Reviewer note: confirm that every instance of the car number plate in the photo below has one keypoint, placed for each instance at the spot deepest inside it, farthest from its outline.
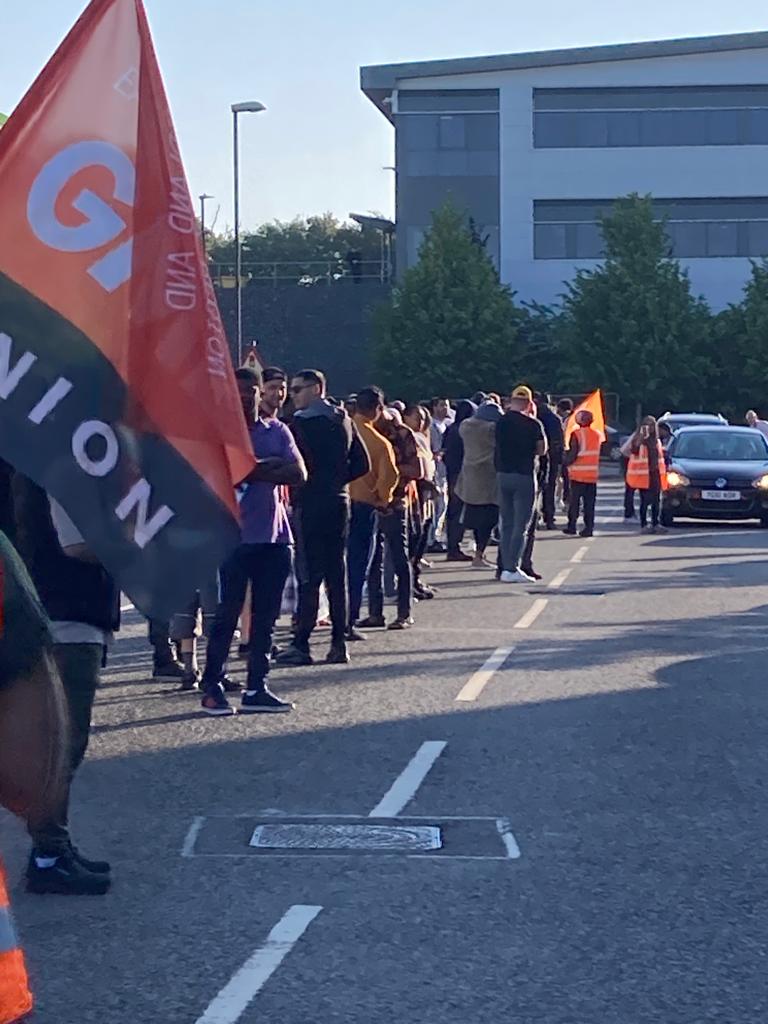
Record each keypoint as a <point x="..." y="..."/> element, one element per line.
<point x="721" y="495"/>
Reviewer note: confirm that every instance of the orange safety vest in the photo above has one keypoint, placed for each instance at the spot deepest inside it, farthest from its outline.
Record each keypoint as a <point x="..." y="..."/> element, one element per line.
<point x="586" y="468"/>
<point x="638" y="473"/>
<point x="15" y="997"/>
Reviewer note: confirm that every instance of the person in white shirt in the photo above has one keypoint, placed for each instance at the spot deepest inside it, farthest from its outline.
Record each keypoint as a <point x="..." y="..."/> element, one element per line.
<point x="753" y="420"/>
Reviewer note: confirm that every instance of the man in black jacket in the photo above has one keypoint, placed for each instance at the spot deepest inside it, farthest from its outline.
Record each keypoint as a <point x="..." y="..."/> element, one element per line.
<point x="551" y="464"/>
<point x="83" y="604"/>
<point x="334" y="456"/>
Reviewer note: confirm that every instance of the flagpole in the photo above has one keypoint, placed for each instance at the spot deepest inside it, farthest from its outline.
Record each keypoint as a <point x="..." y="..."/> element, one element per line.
<point x="238" y="253"/>
<point x="250" y="107"/>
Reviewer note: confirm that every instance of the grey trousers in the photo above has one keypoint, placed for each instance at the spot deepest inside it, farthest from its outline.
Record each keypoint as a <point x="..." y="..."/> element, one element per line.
<point x="517" y="497"/>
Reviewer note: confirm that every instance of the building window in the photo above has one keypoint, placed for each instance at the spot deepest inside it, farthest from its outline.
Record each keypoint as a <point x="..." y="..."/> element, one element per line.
<point x="448" y="145"/>
<point x="696" y="228"/>
<point x="419" y="101"/>
<point x="685" y="116"/>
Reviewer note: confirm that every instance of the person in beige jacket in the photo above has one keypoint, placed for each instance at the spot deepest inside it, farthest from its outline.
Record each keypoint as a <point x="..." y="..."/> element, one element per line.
<point x="476" y="485"/>
<point x="368" y="493"/>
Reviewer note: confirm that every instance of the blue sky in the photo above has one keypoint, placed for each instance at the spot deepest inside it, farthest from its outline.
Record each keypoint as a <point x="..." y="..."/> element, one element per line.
<point x="322" y="145"/>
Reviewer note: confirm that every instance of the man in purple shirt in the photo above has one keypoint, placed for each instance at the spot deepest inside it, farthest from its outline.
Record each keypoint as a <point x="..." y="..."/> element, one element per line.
<point x="264" y="556"/>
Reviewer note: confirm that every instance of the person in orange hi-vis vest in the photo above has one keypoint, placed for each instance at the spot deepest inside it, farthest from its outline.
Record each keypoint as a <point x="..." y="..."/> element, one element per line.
<point x="647" y="471"/>
<point x="32" y="731"/>
<point x="583" y="461"/>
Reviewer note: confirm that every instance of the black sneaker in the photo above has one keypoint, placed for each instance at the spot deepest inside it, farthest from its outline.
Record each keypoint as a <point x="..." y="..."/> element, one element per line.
<point x="372" y="622"/>
<point x="190" y="681"/>
<point x="65" y="878"/>
<point x="168" y="672"/>
<point x="355" y="634"/>
<point x="96" y="867"/>
<point x="264" y="703"/>
<point x="215" y="703"/>
<point x="231" y="685"/>
<point x="243" y="650"/>
<point x="569" y="531"/>
<point x="458" y="556"/>
<point x="586" y="533"/>
<point x="424" y="593"/>
<point x="436" y="548"/>
<point x="338" y="655"/>
<point x="530" y="571"/>
<point x="294" y="656"/>
<point x="401" y="624"/>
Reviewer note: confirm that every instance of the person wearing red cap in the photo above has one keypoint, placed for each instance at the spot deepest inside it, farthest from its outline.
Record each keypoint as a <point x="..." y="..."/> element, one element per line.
<point x="583" y="462"/>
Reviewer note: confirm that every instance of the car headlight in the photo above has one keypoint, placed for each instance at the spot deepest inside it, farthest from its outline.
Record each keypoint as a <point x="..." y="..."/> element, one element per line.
<point x="677" y="479"/>
<point x="761" y="483"/>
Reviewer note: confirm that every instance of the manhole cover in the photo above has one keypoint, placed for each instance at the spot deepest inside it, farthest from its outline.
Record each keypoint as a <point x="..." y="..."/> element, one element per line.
<point x="346" y="837"/>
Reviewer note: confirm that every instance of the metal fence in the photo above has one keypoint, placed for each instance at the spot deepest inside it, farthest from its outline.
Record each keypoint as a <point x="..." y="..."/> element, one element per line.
<point x="304" y="273"/>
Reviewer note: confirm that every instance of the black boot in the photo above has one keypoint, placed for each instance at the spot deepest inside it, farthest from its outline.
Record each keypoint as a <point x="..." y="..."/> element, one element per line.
<point x="96" y="867"/>
<point x="66" y="877"/>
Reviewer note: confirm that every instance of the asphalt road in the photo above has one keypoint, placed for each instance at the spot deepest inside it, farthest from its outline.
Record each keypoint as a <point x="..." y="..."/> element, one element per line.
<point x="622" y="741"/>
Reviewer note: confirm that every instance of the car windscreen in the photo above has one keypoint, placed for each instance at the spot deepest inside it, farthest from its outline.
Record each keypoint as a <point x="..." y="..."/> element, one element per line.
<point x="721" y="446"/>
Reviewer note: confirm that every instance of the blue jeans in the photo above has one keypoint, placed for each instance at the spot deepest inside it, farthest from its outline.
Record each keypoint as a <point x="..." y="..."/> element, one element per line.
<point x="517" y="496"/>
<point x="362" y="527"/>
<point x="266" y="567"/>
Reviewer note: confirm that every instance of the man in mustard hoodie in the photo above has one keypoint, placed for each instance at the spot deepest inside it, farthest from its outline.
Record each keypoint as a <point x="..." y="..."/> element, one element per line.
<point x="368" y="493"/>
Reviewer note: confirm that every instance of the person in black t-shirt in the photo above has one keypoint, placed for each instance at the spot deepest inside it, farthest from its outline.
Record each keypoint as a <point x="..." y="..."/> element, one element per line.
<point x="520" y="442"/>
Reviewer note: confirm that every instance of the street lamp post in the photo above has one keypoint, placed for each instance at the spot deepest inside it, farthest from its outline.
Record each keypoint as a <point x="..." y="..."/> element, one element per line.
<point x="250" y="107"/>
<point x="203" y="198"/>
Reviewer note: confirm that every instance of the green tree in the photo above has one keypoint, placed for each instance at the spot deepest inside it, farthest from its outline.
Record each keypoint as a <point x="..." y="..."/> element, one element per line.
<point x="312" y="243"/>
<point x="632" y="325"/>
<point x="451" y="326"/>
<point x="740" y="381"/>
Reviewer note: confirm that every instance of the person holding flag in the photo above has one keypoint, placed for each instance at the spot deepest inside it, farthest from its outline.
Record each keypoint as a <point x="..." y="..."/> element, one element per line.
<point x="118" y="395"/>
<point x="584" y="434"/>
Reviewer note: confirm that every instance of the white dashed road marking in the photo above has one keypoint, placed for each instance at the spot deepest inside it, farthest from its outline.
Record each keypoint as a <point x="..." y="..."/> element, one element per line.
<point x="233" y="1000"/>
<point x="580" y="554"/>
<point x="532" y="614"/>
<point x="188" y="847"/>
<point x="406" y="785"/>
<point x="477" y="682"/>
<point x="559" y="580"/>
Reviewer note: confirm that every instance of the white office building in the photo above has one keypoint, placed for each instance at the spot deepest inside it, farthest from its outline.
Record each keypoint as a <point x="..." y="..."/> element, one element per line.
<point x="534" y="145"/>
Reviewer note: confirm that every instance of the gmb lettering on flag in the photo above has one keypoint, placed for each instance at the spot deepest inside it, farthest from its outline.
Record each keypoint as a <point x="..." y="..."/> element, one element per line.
<point x="117" y="392"/>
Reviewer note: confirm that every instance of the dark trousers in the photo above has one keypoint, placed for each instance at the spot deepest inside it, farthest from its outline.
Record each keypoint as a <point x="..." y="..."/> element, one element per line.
<point x="650" y="500"/>
<point x="417" y="548"/>
<point x="454" y="529"/>
<point x="78" y="666"/>
<point x="362" y="528"/>
<point x="549" y="476"/>
<point x="321" y="557"/>
<point x="566" y="478"/>
<point x="159" y="638"/>
<point x="629" y="492"/>
<point x="266" y="568"/>
<point x="526" y="562"/>
<point x="392" y="530"/>
<point x="586" y="495"/>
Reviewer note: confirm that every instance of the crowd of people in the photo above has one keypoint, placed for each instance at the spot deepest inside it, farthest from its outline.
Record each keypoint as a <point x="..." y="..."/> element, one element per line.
<point x="347" y="502"/>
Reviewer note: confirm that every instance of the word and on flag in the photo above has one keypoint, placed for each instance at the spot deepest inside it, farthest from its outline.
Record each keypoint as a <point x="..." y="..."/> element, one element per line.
<point x="117" y="393"/>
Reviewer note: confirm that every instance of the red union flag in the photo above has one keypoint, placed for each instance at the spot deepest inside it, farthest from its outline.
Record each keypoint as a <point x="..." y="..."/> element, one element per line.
<point x="117" y="393"/>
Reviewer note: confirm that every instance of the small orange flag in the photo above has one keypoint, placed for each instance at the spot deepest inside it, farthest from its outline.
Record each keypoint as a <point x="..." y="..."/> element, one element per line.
<point x="592" y="403"/>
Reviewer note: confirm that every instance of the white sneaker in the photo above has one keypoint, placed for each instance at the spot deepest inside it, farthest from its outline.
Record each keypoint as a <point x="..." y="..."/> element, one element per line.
<point x="518" y="576"/>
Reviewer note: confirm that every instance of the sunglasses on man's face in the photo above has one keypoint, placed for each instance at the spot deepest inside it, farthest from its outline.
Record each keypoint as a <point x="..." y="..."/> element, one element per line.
<point x="298" y="388"/>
